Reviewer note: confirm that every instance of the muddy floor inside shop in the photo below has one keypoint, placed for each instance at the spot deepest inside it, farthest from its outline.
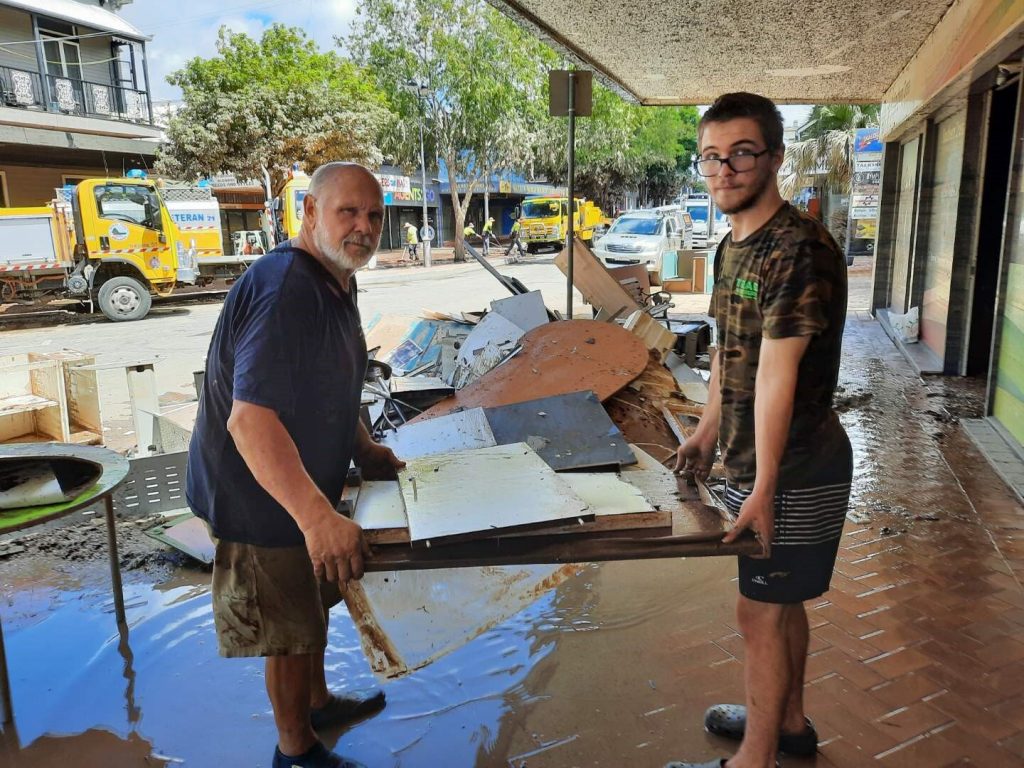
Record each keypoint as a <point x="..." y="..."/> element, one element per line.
<point x="917" y="652"/>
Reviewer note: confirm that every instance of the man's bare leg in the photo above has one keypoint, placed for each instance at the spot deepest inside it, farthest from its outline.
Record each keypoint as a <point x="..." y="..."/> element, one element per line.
<point x="768" y="680"/>
<point x="288" y="685"/>
<point x="318" y="691"/>
<point x="797" y="637"/>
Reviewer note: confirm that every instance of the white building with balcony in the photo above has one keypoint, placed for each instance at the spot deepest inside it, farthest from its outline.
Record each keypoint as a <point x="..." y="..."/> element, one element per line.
<point x="74" y="96"/>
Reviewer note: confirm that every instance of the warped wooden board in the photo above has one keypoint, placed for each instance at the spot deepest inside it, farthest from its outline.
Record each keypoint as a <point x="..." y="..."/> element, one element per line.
<point x="600" y="288"/>
<point x="571" y="431"/>
<point x="606" y="494"/>
<point x="454" y="432"/>
<point x="380" y="511"/>
<point x="557" y="358"/>
<point x="483" y="491"/>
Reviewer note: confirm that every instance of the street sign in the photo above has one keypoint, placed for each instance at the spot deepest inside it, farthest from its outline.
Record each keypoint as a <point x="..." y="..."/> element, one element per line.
<point x="558" y="86"/>
<point x="426" y="232"/>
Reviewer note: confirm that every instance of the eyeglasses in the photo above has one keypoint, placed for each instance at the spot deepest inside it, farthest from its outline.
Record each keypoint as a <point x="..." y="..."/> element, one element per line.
<point x="740" y="162"/>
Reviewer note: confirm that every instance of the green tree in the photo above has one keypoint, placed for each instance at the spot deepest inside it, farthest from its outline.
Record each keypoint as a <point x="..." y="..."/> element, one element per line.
<point x="822" y="154"/>
<point x="623" y="148"/>
<point x="266" y="104"/>
<point x="483" y="78"/>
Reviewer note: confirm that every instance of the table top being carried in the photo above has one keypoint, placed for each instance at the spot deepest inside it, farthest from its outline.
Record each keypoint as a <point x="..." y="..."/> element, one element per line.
<point x="110" y="471"/>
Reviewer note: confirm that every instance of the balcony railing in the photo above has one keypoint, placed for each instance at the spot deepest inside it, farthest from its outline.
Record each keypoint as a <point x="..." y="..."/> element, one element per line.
<point x="71" y="96"/>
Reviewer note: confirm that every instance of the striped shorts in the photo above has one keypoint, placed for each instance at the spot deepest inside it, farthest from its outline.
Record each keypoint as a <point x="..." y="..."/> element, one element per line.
<point x="808" y="525"/>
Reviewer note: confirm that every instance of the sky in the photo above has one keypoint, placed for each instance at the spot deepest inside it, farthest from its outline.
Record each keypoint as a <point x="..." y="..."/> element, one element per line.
<point x="185" y="28"/>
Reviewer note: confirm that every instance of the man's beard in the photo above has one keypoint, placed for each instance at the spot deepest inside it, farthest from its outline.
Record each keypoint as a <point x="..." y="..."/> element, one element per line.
<point x="336" y="253"/>
<point x="750" y="200"/>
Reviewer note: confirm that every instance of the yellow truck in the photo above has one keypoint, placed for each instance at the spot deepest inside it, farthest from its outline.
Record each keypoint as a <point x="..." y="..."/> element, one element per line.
<point x="544" y="221"/>
<point x="111" y="242"/>
<point x="288" y="205"/>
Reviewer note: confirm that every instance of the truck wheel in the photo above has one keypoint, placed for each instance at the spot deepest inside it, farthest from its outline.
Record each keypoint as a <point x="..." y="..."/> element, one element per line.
<point x="124" y="298"/>
<point x="530" y="248"/>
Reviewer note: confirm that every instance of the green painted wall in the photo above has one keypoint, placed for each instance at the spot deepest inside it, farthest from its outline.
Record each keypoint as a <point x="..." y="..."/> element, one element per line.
<point x="1008" y="403"/>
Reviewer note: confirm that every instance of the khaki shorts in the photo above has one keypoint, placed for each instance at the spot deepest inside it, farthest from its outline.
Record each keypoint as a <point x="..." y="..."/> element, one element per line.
<point x="268" y="602"/>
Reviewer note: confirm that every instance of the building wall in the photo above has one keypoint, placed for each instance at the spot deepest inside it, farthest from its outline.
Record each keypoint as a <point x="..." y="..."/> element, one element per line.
<point x="944" y="197"/>
<point x="27" y="186"/>
<point x="1008" y="380"/>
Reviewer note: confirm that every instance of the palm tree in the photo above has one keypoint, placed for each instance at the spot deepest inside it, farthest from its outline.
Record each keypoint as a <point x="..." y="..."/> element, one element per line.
<point x="823" y="154"/>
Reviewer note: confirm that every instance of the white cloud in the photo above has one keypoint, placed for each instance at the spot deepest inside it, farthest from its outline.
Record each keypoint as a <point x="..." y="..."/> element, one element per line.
<point x="188" y="28"/>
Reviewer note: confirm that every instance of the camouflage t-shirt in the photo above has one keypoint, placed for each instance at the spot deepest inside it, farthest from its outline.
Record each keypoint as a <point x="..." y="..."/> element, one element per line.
<point x="787" y="279"/>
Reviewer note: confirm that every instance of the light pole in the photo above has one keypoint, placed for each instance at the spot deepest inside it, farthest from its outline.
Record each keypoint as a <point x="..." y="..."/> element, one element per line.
<point x="426" y="231"/>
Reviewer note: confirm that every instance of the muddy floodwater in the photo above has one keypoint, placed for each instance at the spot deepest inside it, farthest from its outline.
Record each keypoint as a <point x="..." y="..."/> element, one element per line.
<point x="613" y="667"/>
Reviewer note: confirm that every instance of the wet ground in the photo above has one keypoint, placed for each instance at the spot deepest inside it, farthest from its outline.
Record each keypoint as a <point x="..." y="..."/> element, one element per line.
<point x="917" y="653"/>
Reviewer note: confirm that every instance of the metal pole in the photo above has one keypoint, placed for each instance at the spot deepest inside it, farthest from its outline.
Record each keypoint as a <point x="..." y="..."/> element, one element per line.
<point x="572" y="192"/>
<point x="423" y="176"/>
<point x="5" y="686"/>
<point x="115" y="564"/>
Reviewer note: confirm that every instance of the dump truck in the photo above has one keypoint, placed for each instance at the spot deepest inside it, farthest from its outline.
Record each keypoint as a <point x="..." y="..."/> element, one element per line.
<point x="111" y="242"/>
<point x="545" y="220"/>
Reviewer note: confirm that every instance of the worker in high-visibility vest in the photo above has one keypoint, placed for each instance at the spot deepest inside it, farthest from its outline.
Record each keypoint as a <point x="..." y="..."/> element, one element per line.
<point x="516" y="242"/>
<point x="411" y="240"/>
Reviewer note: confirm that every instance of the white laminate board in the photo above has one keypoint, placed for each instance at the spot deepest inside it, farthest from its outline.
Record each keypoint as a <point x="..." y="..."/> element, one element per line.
<point x="460" y="431"/>
<point x="606" y="494"/>
<point x="525" y="310"/>
<point x="495" y="330"/>
<point x="484" y="490"/>
<point x="380" y="505"/>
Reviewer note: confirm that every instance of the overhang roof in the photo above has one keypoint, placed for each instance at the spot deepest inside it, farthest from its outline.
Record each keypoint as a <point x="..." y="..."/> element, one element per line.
<point x="690" y="51"/>
<point x="91" y="16"/>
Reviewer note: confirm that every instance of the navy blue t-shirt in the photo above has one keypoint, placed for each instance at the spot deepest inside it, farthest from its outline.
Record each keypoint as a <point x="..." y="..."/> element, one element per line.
<point x="289" y="339"/>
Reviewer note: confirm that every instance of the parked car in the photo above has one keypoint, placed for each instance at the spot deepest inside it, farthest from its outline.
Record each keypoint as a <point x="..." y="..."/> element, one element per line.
<point x="643" y="237"/>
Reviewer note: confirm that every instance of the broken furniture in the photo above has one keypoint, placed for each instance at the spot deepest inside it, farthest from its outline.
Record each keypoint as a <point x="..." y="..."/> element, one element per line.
<point x="556" y="358"/>
<point x="692" y="274"/>
<point x="49" y="397"/>
<point x="104" y="471"/>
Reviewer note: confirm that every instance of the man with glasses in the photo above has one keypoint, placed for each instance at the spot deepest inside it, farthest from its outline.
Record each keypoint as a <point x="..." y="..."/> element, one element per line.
<point x="779" y="304"/>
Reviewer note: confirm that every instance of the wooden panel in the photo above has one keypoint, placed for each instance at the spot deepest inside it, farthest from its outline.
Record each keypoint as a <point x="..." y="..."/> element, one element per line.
<point x="570" y="431"/>
<point x="593" y="279"/>
<point x="700" y="267"/>
<point x="557" y="358"/>
<point x="460" y="431"/>
<point x="656" y="337"/>
<point x="476" y="492"/>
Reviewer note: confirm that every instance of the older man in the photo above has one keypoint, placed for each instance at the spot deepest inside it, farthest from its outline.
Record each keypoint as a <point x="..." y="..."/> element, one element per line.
<point x="278" y="425"/>
<point x="779" y="303"/>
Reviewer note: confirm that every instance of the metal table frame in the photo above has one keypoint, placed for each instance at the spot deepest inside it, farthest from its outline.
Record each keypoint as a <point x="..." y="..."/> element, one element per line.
<point x="113" y="470"/>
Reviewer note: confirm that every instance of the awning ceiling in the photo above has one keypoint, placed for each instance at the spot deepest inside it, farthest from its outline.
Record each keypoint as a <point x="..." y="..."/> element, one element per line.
<point x="690" y="51"/>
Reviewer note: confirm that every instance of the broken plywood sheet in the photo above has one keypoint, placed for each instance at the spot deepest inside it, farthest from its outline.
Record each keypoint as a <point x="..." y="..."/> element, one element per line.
<point x="461" y="431"/>
<point x="483" y="491"/>
<point x="494" y="330"/>
<point x="556" y="358"/>
<point x="606" y="494"/>
<point x="380" y="512"/>
<point x="525" y="310"/>
<point x="428" y="614"/>
<point x="570" y="431"/>
<point x="592" y="278"/>
<point x="655" y="336"/>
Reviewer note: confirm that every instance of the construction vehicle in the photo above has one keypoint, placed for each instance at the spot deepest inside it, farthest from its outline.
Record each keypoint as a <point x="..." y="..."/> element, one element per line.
<point x="110" y="242"/>
<point x="544" y="221"/>
<point x="288" y="205"/>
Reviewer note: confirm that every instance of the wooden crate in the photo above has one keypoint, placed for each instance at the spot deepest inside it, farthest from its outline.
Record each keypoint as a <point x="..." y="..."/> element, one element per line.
<point x="33" y="401"/>
<point x="85" y="423"/>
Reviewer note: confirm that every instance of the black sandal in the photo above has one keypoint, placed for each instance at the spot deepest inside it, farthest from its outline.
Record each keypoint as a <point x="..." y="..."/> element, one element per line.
<point x="730" y="721"/>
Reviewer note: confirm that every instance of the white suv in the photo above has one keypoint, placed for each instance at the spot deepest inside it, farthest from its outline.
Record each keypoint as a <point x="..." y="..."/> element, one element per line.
<point x="641" y="237"/>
